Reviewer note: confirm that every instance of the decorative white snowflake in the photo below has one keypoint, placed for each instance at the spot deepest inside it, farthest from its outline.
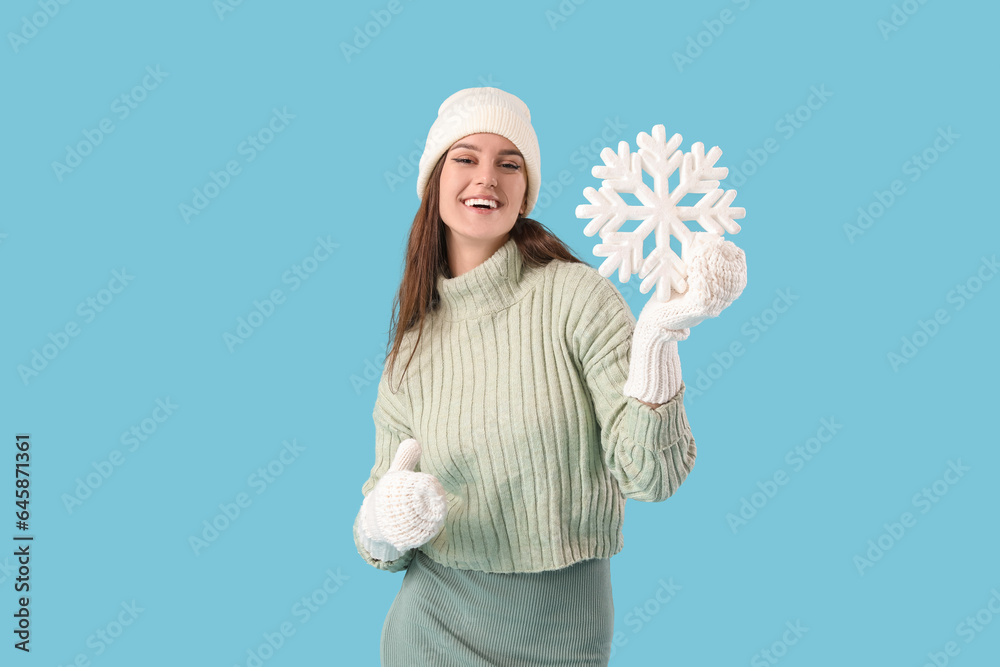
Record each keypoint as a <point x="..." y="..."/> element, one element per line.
<point x="659" y="212"/>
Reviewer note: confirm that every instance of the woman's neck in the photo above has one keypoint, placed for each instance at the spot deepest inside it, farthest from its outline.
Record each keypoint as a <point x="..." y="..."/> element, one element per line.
<point x="466" y="254"/>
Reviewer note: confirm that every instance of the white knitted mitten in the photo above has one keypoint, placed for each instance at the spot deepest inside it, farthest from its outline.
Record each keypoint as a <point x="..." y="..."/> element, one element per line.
<point x="405" y="509"/>
<point x="716" y="276"/>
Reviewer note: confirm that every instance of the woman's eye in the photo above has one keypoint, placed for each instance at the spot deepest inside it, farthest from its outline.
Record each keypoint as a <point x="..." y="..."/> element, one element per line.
<point x="508" y="165"/>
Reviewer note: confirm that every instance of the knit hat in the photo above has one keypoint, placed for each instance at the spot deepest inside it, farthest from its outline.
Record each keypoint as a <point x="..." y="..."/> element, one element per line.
<point x="485" y="109"/>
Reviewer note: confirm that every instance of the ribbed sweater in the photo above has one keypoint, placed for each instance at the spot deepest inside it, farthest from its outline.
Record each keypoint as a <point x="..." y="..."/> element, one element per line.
<point x="515" y="395"/>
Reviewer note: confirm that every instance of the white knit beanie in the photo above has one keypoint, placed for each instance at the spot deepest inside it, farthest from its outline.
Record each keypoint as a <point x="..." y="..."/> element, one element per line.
<point x="485" y="109"/>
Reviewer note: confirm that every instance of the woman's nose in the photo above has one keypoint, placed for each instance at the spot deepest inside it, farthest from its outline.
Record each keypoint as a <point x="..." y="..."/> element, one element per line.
<point x="487" y="175"/>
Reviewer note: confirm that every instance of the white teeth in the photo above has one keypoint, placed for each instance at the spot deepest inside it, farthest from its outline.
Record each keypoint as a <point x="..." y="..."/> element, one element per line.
<point x="487" y="202"/>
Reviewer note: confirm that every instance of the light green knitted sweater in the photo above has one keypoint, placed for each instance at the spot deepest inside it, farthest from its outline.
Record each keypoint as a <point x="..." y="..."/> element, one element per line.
<point x="515" y="395"/>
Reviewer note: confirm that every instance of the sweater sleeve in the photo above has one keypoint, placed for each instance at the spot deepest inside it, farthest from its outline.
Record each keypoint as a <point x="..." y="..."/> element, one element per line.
<point x="390" y="430"/>
<point x="650" y="451"/>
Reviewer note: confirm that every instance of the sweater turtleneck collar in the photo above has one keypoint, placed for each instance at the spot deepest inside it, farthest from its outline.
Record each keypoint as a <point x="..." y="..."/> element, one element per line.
<point x="492" y="286"/>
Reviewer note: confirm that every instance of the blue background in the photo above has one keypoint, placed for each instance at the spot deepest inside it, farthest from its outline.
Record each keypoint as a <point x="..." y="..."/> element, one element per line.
<point x="343" y="170"/>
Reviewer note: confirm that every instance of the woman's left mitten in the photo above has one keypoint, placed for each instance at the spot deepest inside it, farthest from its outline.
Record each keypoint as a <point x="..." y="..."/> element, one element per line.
<point x="716" y="276"/>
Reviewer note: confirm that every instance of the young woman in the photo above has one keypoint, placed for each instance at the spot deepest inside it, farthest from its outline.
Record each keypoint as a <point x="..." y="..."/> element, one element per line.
<point x="533" y="403"/>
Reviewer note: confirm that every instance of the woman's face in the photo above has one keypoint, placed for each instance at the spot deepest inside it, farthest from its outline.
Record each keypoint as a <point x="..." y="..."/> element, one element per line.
<point x="477" y="167"/>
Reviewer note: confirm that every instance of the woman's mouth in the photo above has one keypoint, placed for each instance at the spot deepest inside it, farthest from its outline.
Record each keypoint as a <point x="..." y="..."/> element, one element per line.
<point x="481" y="206"/>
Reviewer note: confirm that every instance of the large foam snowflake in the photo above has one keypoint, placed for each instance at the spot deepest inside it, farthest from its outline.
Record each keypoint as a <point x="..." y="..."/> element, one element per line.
<point x="660" y="211"/>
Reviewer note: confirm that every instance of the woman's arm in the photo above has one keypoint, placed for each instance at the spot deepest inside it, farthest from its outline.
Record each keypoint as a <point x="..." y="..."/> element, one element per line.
<point x="648" y="447"/>
<point x="390" y="431"/>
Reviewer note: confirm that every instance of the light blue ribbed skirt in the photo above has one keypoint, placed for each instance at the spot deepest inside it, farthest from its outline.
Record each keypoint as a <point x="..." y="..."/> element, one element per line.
<point x="447" y="617"/>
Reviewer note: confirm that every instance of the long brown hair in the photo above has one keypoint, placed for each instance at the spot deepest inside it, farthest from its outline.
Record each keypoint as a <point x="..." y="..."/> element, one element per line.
<point x="427" y="258"/>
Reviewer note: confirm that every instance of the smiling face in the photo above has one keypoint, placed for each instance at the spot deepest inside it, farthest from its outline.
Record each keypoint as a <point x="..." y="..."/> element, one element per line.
<point x="483" y="186"/>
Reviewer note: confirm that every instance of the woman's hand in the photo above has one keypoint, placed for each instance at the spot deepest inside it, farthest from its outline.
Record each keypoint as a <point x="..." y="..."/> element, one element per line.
<point x="716" y="276"/>
<point x="405" y="509"/>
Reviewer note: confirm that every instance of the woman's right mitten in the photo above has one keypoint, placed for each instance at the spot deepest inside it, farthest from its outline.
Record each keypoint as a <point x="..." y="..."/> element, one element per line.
<point x="405" y="509"/>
